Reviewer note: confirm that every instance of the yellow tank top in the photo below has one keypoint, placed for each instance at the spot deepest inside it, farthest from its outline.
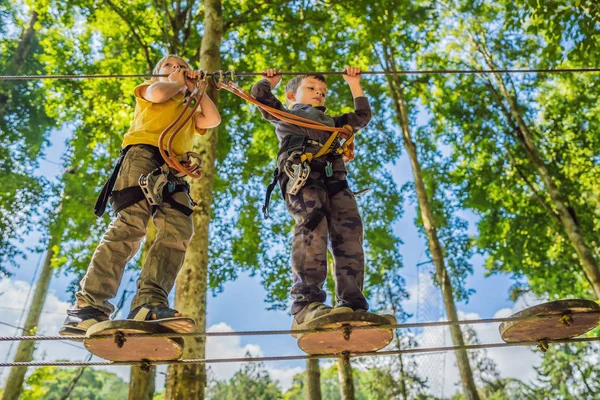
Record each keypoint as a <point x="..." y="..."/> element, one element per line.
<point x="151" y="119"/>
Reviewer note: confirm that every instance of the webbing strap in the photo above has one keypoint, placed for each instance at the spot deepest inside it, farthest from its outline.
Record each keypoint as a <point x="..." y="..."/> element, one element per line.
<point x="265" y="207"/>
<point x="328" y="146"/>
<point x="121" y="199"/>
<point x="104" y="196"/>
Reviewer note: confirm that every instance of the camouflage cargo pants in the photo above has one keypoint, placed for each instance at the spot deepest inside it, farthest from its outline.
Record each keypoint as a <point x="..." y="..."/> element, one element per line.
<point x="341" y="230"/>
<point x="124" y="235"/>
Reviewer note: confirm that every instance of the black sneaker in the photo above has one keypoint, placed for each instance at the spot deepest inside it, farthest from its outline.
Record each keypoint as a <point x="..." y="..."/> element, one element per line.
<point x="79" y="320"/>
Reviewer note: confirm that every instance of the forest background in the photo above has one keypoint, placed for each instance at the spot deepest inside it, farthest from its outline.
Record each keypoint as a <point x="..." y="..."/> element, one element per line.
<point x="489" y="180"/>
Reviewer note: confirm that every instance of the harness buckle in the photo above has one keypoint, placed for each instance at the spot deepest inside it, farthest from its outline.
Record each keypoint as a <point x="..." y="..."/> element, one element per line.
<point x="329" y="169"/>
<point x="153" y="184"/>
<point x="297" y="172"/>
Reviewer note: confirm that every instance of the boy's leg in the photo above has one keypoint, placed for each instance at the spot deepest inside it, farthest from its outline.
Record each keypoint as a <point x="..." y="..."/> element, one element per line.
<point x="346" y="234"/>
<point x="166" y="256"/>
<point x="309" y="247"/>
<point x="122" y="239"/>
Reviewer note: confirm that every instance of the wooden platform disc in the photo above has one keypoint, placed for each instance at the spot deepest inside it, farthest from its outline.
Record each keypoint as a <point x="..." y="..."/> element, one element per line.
<point x="360" y="340"/>
<point x="133" y="348"/>
<point x="549" y="322"/>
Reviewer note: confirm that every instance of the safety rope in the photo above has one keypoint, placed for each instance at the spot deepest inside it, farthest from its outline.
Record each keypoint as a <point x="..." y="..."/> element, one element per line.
<point x="243" y="74"/>
<point x="345" y="355"/>
<point x="189" y="169"/>
<point x="303" y="331"/>
<point x="226" y="80"/>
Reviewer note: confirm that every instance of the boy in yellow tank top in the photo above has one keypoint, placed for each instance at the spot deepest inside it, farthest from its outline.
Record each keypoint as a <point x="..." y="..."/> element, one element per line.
<point x="158" y="103"/>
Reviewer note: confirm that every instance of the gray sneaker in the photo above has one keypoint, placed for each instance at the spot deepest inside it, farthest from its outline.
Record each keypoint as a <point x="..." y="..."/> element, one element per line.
<point x="314" y="311"/>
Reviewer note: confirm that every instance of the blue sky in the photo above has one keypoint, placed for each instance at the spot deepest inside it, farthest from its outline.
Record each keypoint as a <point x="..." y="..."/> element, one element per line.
<point x="241" y="306"/>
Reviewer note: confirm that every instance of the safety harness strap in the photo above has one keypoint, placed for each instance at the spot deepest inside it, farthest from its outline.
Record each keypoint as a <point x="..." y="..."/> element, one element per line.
<point x="265" y="207"/>
<point x="121" y="199"/>
<point x="317" y="215"/>
<point x="102" y="200"/>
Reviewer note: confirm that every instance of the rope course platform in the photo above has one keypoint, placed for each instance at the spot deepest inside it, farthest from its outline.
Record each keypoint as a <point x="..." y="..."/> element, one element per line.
<point x="290" y="358"/>
<point x="553" y="322"/>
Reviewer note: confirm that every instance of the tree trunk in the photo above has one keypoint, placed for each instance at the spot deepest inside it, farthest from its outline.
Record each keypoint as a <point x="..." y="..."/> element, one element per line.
<point x="17" y="60"/>
<point x="142" y="384"/>
<point x="466" y="375"/>
<point x="344" y="370"/>
<point x="189" y="381"/>
<point x="346" y="381"/>
<point x="524" y="136"/>
<point x="313" y="380"/>
<point x="403" y="388"/>
<point x="14" y="384"/>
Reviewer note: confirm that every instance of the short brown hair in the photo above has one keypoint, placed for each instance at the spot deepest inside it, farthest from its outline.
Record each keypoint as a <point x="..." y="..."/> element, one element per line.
<point x="293" y="83"/>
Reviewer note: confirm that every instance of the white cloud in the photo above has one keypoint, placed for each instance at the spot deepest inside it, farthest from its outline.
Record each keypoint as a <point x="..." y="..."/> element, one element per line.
<point x="231" y="347"/>
<point x="13" y="297"/>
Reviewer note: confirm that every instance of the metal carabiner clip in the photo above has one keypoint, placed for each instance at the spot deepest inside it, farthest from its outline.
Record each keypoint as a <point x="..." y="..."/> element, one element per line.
<point x="297" y="173"/>
<point x="218" y="78"/>
<point x="229" y="77"/>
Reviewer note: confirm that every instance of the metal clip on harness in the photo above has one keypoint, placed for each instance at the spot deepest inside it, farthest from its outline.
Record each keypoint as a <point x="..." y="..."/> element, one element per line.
<point x="154" y="183"/>
<point x="298" y="172"/>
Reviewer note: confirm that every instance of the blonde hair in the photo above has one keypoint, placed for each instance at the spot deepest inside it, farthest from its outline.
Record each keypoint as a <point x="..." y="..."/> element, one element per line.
<point x="160" y="63"/>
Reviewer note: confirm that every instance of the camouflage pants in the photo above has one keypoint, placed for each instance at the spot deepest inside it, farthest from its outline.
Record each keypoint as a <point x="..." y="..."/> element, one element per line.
<point x="122" y="241"/>
<point x="341" y="230"/>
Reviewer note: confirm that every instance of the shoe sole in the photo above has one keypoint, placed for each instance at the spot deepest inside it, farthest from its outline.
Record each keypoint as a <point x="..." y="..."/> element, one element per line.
<point x="339" y="310"/>
<point x="176" y="324"/>
<point x="71" y="331"/>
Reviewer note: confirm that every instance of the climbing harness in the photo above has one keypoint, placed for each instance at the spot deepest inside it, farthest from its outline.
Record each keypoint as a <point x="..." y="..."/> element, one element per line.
<point x="187" y="167"/>
<point x="154" y="183"/>
<point x="160" y="184"/>
<point x="297" y="165"/>
<point x="156" y="187"/>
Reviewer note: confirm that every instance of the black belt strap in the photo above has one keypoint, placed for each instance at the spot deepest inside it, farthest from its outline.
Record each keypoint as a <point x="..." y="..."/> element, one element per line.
<point x="121" y="199"/>
<point x="314" y="219"/>
<point x="102" y="200"/>
<point x="336" y="187"/>
<point x="265" y="207"/>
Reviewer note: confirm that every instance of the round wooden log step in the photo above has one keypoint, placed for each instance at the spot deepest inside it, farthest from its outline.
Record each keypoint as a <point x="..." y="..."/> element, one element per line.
<point x="121" y="348"/>
<point x="552" y="321"/>
<point x="348" y="339"/>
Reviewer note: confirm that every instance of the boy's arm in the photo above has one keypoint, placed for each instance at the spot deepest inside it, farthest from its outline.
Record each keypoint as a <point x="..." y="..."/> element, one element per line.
<point x="362" y="110"/>
<point x="159" y="92"/>
<point x="209" y="117"/>
<point x="262" y="91"/>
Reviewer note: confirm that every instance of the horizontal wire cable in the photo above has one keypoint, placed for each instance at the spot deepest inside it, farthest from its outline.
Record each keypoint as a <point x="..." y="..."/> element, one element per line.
<point x="303" y="331"/>
<point x="290" y="358"/>
<point x="244" y="74"/>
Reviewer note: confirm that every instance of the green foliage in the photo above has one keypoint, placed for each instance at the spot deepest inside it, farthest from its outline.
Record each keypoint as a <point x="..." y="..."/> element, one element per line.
<point x="491" y="173"/>
<point x="250" y="382"/>
<point x="569" y="372"/>
<point x="51" y="383"/>
<point x="25" y="124"/>
<point x="370" y="383"/>
<point x="570" y="29"/>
